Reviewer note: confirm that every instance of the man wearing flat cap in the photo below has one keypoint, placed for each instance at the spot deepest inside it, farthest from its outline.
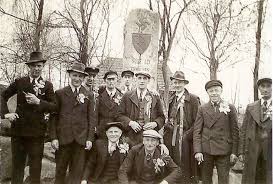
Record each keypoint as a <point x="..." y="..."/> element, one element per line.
<point x="178" y="130"/>
<point x="127" y="76"/>
<point x="215" y="135"/>
<point x="255" y="148"/>
<point x="35" y="96"/>
<point x="105" y="159"/>
<point x="73" y="126"/>
<point x="140" y="110"/>
<point x="89" y="82"/>
<point x="146" y="165"/>
<point x="108" y="102"/>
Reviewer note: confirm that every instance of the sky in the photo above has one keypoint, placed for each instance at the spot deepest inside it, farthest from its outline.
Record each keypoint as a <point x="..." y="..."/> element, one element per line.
<point x="239" y="75"/>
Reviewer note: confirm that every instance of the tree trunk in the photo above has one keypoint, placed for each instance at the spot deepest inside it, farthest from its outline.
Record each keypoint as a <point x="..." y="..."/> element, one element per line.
<point x="258" y="48"/>
<point x="39" y="26"/>
<point x="166" y="79"/>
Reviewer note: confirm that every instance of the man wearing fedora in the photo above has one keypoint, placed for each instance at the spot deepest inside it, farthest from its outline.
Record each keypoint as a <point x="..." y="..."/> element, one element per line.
<point x="108" y="102"/>
<point x="255" y="148"/>
<point x="146" y="165"/>
<point x="178" y="130"/>
<point x="89" y="82"/>
<point x="127" y="76"/>
<point x="105" y="159"/>
<point x="72" y="127"/>
<point x="140" y="110"/>
<point x="215" y="135"/>
<point x="35" y="97"/>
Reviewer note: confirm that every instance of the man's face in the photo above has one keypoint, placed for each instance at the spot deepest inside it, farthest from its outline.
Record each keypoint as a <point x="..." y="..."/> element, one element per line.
<point x="142" y="81"/>
<point x="35" y="69"/>
<point x="150" y="143"/>
<point x="111" y="81"/>
<point x="76" y="78"/>
<point x="178" y="85"/>
<point x="90" y="80"/>
<point x="128" y="79"/>
<point x="113" y="134"/>
<point x="214" y="93"/>
<point x="265" y="89"/>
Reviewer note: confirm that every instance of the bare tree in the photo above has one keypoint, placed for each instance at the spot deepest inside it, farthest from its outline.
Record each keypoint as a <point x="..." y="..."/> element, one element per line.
<point x="170" y="13"/>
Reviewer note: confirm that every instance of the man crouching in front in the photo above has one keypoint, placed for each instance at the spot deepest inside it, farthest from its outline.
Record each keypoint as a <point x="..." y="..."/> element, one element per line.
<point x="146" y="165"/>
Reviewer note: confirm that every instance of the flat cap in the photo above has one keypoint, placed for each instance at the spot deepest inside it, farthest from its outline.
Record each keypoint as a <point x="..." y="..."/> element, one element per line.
<point x="92" y="70"/>
<point x="212" y="83"/>
<point x="152" y="133"/>
<point x="263" y="80"/>
<point x="110" y="72"/>
<point x="147" y="74"/>
<point x="114" y="124"/>
<point x="127" y="72"/>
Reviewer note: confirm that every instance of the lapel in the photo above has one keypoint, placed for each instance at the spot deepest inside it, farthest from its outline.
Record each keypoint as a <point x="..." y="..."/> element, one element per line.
<point x="255" y="111"/>
<point x="107" y="100"/>
<point x="211" y="112"/>
<point x="153" y="99"/>
<point x="140" y="160"/>
<point x="104" y="151"/>
<point x="134" y="97"/>
<point x="68" y="91"/>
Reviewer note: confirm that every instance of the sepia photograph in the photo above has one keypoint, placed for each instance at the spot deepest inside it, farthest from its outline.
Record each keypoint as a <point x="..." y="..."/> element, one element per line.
<point x="136" y="91"/>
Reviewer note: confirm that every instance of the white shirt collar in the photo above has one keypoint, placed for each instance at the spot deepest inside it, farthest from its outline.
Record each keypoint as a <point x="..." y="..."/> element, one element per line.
<point x="179" y="95"/>
<point x="73" y="88"/>
<point x="143" y="94"/>
<point x="111" y="93"/>
<point x="269" y="101"/>
<point x="36" y="79"/>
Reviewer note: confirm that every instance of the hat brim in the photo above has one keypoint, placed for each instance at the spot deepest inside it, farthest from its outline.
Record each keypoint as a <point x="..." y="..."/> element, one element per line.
<point x="186" y="81"/>
<point x="147" y="75"/>
<point x="127" y="73"/>
<point x="78" y="71"/>
<point x="264" y="80"/>
<point x="120" y="126"/>
<point x="35" y="61"/>
<point x="155" y="137"/>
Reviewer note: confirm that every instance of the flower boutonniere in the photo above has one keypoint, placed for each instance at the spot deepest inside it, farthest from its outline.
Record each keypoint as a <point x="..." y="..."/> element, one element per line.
<point x="224" y="107"/>
<point x="123" y="148"/>
<point x="81" y="97"/>
<point x="160" y="162"/>
<point x="148" y="105"/>
<point x="268" y="112"/>
<point x="38" y="86"/>
<point x="117" y="99"/>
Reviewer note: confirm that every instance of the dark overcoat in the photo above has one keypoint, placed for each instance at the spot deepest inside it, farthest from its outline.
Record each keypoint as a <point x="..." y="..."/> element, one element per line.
<point x="31" y="121"/>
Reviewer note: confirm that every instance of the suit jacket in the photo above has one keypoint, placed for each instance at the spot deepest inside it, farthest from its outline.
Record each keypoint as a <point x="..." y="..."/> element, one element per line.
<point x="73" y="120"/>
<point x="107" y="110"/>
<point x="250" y="143"/>
<point x="31" y="117"/>
<point x="215" y="133"/>
<point x="129" y="111"/>
<point x="132" y="166"/>
<point x="97" y="159"/>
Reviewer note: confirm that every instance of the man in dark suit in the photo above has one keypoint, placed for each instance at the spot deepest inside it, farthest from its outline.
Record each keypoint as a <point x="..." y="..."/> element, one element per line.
<point x="127" y="76"/>
<point x="35" y="96"/>
<point x="140" y="110"/>
<point x="215" y="135"/>
<point x="255" y="146"/>
<point x="72" y="128"/>
<point x="108" y="102"/>
<point x="106" y="157"/>
<point x="178" y="130"/>
<point x="146" y="165"/>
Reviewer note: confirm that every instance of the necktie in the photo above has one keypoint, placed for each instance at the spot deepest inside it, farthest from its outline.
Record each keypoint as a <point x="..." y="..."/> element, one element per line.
<point x="33" y="82"/>
<point x="216" y="106"/>
<point x="128" y="88"/>
<point x="76" y="92"/>
<point x="264" y="107"/>
<point x="140" y="96"/>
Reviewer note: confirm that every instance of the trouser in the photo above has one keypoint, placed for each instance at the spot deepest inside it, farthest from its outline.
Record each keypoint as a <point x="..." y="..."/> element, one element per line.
<point x="260" y="177"/>
<point x="72" y="155"/>
<point x="222" y="163"/>
<point x="22" y="147"/>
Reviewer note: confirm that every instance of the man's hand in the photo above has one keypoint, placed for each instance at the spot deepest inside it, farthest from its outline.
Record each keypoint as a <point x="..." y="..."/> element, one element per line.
<point x="241" y="158"/>
<point x="55" y="144"/>
<point x="32" y="99"/>
<point x="164" y="149"/>
<point x="233" y="158"/>
<point x="135" y="126"/>
<point x="199" y="157"/>
<point x="164" y="182"/>
<point x="88" y="145"/>
<point x="11" y="116"/>
<point x="84" y="182"/>
<point x="150" y="126"/>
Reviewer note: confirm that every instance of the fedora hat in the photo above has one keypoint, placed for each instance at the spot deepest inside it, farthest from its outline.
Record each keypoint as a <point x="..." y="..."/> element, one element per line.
<point x="179" y="75"/>
<point x="263" y="80"/>
<point x="77" y="67"/>
<point x="35" y="57"/>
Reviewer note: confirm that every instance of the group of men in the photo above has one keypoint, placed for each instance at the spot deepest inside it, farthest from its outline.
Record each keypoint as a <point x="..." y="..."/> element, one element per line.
<point x="110" y="135"/>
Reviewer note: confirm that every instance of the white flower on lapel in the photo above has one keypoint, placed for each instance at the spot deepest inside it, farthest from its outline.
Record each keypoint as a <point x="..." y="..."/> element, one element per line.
<point x="117" y="99"/>
<point x="268" y="112"/>
<point x="81" y="98"/>
<point x="224" y="107"/>
<point x="160" y="162"/>
<point x="38" y="86"/>
<point x="123" y="148"/>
